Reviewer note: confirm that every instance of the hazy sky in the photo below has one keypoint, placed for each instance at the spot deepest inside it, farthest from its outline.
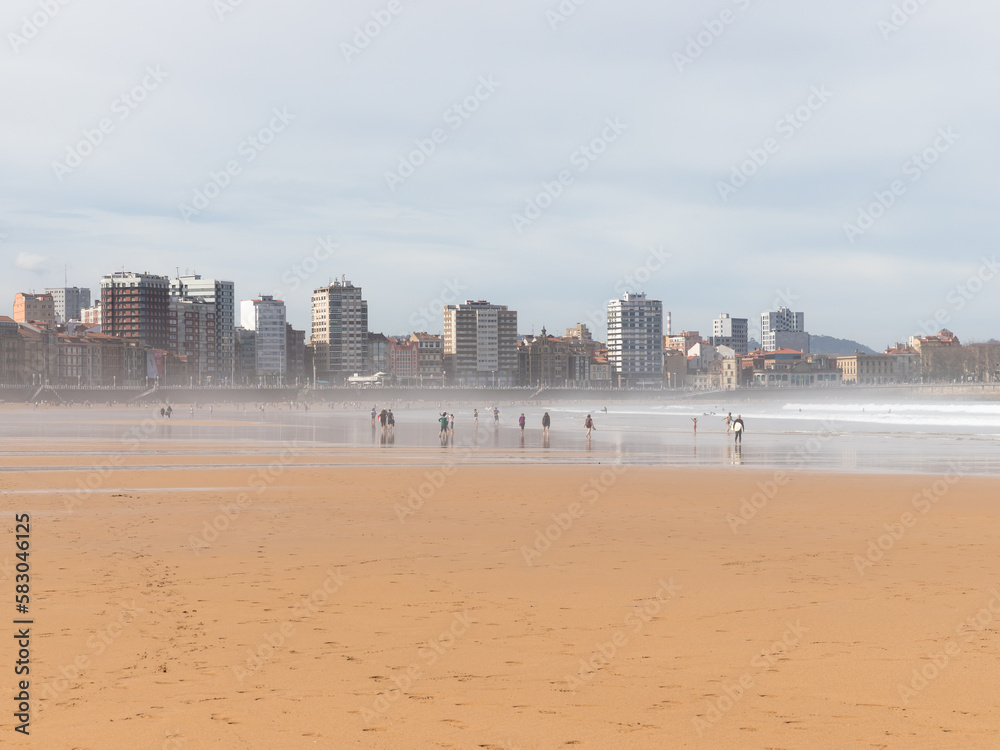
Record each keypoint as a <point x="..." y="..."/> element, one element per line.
<point x="628" y="118"/>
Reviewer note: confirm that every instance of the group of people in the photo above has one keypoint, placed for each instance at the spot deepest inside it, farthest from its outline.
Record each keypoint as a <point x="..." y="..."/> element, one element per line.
<point x="447" y="422"/>
<point x="384" y="418"/>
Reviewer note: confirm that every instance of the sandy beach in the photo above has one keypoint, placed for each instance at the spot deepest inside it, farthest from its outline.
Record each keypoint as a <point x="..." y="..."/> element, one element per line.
<point x="505" y="607"/>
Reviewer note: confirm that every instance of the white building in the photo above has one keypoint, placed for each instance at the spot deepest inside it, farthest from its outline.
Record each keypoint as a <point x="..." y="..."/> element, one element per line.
<point x="265" y="316"/>
<point x="69" y="301"/>
<point x="731" y="332"/>
<point x="339" y="336"/>
<point x="222" y="295"/>
<point x="783" y="329"/>
<point x="480" y="344"/>
<point x="635" y="340"/>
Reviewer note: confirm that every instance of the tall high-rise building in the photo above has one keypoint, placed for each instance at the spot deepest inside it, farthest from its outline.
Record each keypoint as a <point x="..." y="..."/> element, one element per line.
<point x="222" y="295"/>
<point x="192" y="335"/>
<point x="339" y="335"/>
<point x="480" y="344"/>
<point x="295" y="354"/>
<point x="635" y="339"/>
<point x="136" y="307"/>
<point x="246" y="355"/>
<point x="34" y="307"/>
<point x="731" y="332"/>
<point x="783" y="329"/>
<point x="69" y="301"/>
<point x="266" y="317"/>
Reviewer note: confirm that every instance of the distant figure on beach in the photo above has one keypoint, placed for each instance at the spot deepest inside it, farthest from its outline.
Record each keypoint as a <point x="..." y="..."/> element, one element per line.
<point x="589" y="424"/>
<point x="695" y="421"/>
<point x="374" y="415"/>
<point x="192" y="412"/>
<point x="451" y="424"/>
<point x="383" y="419"/>
<point x="520" y="422"/>
<point x="163" y="412"/>
<point x="475" y="417"/>
<point x="390" y="419"/>
<point x="496" y="416"/>
<point x="729" y="422"/>
<point x="170" y="411"/>
<point x="605" y="410"/>
<point x="546" y="421"/>
<point x="443" y="419"/>
<point x="738" y="428"/>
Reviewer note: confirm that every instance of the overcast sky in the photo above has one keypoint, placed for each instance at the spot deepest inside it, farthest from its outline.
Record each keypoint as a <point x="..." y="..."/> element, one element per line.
<point x="817" y="107"/>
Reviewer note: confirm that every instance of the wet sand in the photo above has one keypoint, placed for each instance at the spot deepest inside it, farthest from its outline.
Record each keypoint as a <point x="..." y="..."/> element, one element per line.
<point x="513" y="607"/>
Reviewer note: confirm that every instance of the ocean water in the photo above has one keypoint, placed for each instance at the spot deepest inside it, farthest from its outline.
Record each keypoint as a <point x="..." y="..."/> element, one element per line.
<point x="928" y="438"/>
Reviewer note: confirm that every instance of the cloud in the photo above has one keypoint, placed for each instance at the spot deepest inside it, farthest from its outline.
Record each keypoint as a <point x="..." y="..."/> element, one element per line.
<point x="31" y="262"/>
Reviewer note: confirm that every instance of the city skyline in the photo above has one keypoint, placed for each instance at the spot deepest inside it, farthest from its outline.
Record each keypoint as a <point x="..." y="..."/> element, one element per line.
<point x="677" y="131"/>
<point x="432" y="320"/>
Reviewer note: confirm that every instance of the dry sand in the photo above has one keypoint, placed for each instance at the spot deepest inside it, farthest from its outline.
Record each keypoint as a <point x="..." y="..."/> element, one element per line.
<point x="329" y="613"/>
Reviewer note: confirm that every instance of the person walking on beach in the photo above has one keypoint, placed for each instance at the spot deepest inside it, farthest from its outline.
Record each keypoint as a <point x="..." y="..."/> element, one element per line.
<point x="389" y="418"/>
<point x="374" y="415"/>
<point x="443" y="419"/>
<point x="738" y="429"/>
<point x="475" y="417"/>
<point x="451" y="425"/>
<point x="729" y="422"/>
<point x="496" y="416"/>
<point x="589" y="424"/>
<point x="520" y="422"/>
<point x="546" y="421"/>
